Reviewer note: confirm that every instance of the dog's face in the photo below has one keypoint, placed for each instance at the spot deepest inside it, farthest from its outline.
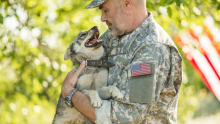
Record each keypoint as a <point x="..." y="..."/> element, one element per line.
<point x="86" y="45"/>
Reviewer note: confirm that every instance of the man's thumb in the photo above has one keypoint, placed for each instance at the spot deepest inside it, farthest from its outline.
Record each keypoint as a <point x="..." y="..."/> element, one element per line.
<point x="81" y="67"/>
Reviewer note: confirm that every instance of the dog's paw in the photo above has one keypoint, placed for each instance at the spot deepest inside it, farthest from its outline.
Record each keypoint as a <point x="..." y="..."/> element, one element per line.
<point x="116" y="94"/>
<point x="96" y="102"/>
<point x="95" y="99"/>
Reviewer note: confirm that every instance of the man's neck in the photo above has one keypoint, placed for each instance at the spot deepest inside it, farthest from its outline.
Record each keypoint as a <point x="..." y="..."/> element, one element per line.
<point x="136" y="23"/>
<point x="138" y="19"/>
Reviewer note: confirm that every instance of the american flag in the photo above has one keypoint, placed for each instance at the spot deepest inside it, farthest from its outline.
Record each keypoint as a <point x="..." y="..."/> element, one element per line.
<point x="141" y="69"/>
<point x="204" y="56"/>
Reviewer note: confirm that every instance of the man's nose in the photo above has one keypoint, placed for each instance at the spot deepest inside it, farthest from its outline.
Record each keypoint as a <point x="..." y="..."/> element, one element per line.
<point x="103" y="17"/>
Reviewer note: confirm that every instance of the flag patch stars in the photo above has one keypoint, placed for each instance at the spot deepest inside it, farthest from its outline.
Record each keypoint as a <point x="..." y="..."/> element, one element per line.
<point x="141" y="69"/>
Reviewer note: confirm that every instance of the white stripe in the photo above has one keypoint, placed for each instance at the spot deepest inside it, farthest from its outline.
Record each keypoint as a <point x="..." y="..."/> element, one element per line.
<point x="212" y="53"/>
<point x="142" y="72"/>
<point x="207" y="71"/>
<point x="145" y="68"/>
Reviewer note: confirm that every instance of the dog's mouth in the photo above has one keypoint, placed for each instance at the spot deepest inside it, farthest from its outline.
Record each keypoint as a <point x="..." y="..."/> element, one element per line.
<point x="94" y="40"/>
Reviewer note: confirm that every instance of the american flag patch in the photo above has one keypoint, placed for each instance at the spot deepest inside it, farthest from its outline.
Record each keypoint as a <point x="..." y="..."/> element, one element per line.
<point x="141" y="69"/>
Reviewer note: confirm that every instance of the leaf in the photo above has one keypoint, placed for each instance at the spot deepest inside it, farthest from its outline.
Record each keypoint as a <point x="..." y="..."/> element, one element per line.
<point x="149" y="5"/>
<point x="169" y="11"/>
<point x="218" y="7"/>
<point x="178" y="3"/>
<point x="169" y="2"/>
<point x="214" y="1"/>
<point x="1" y="19"/>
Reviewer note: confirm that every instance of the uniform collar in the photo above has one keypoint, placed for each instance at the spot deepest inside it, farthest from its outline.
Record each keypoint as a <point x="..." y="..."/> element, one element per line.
<point x="128" y="39"/>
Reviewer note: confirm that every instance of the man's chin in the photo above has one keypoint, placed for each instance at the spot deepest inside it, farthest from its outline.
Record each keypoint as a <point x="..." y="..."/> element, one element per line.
<point x="113" y="33"/>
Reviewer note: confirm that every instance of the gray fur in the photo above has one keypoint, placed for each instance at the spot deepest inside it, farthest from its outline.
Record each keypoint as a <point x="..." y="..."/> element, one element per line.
<point x="91" y="79"/>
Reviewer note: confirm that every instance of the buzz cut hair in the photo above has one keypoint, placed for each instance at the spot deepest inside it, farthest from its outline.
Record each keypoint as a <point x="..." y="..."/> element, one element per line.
<point x="140" y="2"/>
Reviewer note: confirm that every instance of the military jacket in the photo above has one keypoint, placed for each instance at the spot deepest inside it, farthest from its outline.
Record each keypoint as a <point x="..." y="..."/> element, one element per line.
<point x="151" y="98"/>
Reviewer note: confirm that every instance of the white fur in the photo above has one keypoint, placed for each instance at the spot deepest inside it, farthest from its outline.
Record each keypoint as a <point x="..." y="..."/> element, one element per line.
<point x="91" y="80"/>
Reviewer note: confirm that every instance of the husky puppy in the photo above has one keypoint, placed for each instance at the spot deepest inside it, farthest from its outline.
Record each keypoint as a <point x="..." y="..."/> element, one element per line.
<point x="92" y="79"/>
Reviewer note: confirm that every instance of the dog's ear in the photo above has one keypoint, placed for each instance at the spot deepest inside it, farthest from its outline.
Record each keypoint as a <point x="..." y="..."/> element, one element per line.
<point x="68" y="53"/>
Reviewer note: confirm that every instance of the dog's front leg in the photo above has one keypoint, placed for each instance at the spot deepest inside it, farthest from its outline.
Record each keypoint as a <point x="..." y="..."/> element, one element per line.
<point x="94" y="97"/>
<point x="111" y="91"/>
<point x="104" y="93"/>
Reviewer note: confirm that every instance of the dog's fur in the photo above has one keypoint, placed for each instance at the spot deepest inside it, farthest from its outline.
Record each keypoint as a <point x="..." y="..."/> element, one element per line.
<point x="91" y="79"/>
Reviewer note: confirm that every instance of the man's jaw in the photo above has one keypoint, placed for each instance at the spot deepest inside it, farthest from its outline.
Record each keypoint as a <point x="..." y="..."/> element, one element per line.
<point x="115" y="32"/>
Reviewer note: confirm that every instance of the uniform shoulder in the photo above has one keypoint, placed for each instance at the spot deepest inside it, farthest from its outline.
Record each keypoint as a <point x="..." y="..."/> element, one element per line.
<point x="159" y="35"/>
<point x="157" y="47"/>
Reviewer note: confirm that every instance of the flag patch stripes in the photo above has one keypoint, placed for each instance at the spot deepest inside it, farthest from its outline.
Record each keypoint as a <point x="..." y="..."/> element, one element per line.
<point x="141" y="69"/>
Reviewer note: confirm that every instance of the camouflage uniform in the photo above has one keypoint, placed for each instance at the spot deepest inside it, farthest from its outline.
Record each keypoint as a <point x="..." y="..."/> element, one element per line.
<point x="148" y="99"/>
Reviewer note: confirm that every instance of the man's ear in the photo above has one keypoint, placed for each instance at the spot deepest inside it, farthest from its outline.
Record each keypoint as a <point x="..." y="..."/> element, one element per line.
<point x="68" y="53"/>
<point x="127" y="3"/>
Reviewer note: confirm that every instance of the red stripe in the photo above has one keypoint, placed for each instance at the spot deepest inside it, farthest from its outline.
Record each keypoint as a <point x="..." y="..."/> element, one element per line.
<point x="145" y="68"/>
<point x="193" y="63"/>
<point x="204" y="53"/>
<point x="141" y="72"/>
<point x="145" y="65"/>
<point x="138" y="74"/>
<point x="207" y="58"/>
<point x="214" y="43"/>
<point x="202" y="76"/>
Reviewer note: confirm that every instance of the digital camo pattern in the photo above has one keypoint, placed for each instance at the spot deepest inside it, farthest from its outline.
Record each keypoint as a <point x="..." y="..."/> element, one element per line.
<point x="147" y="43"/>
<point x="95" y="3"/>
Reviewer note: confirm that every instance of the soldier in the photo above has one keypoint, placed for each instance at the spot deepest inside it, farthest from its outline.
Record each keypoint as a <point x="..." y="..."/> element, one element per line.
<point x="147" y="71"/>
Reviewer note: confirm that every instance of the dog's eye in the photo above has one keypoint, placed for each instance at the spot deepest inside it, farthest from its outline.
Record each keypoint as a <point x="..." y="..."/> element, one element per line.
<point x="82" y="35"/>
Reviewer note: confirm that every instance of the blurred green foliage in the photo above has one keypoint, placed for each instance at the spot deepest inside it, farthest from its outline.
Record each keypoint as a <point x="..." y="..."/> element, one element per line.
<point x="34" y="35"/>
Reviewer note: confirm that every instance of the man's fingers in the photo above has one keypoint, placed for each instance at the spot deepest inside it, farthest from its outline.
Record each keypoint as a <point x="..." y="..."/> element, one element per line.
<point x="81" y="67"/>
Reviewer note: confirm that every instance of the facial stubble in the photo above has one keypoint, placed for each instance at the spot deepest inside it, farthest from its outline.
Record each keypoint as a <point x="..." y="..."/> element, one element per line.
<point x="119" y="27"/>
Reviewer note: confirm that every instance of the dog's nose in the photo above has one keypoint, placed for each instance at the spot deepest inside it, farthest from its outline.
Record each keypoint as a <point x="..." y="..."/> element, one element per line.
<point x="95" y="27"/>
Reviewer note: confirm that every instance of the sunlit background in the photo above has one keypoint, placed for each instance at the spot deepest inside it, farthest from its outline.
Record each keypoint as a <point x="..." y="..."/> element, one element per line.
<point x="34" y="35"/>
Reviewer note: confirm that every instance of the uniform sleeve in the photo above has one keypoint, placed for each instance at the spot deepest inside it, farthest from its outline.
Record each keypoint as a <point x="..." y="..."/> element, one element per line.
<point x="140" y="92"/>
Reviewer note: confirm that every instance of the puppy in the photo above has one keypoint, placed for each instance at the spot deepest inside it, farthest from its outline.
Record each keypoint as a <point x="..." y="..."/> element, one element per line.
<point x="92" y="79"/>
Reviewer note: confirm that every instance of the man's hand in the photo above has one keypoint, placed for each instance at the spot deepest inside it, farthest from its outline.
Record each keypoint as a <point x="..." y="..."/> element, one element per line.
<point x="80" y="101"/>
<point x="71" y="80"/>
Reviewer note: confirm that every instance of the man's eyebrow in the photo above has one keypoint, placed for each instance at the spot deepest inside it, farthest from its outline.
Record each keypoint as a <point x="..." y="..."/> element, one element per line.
<point x="101" y="6"/>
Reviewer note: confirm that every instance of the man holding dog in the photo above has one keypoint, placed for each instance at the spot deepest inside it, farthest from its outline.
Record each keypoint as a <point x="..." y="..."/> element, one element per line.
<point x="147" y="71"/>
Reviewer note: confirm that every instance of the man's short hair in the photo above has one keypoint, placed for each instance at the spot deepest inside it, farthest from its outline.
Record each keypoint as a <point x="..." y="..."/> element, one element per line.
<point x="140" y="2"/>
